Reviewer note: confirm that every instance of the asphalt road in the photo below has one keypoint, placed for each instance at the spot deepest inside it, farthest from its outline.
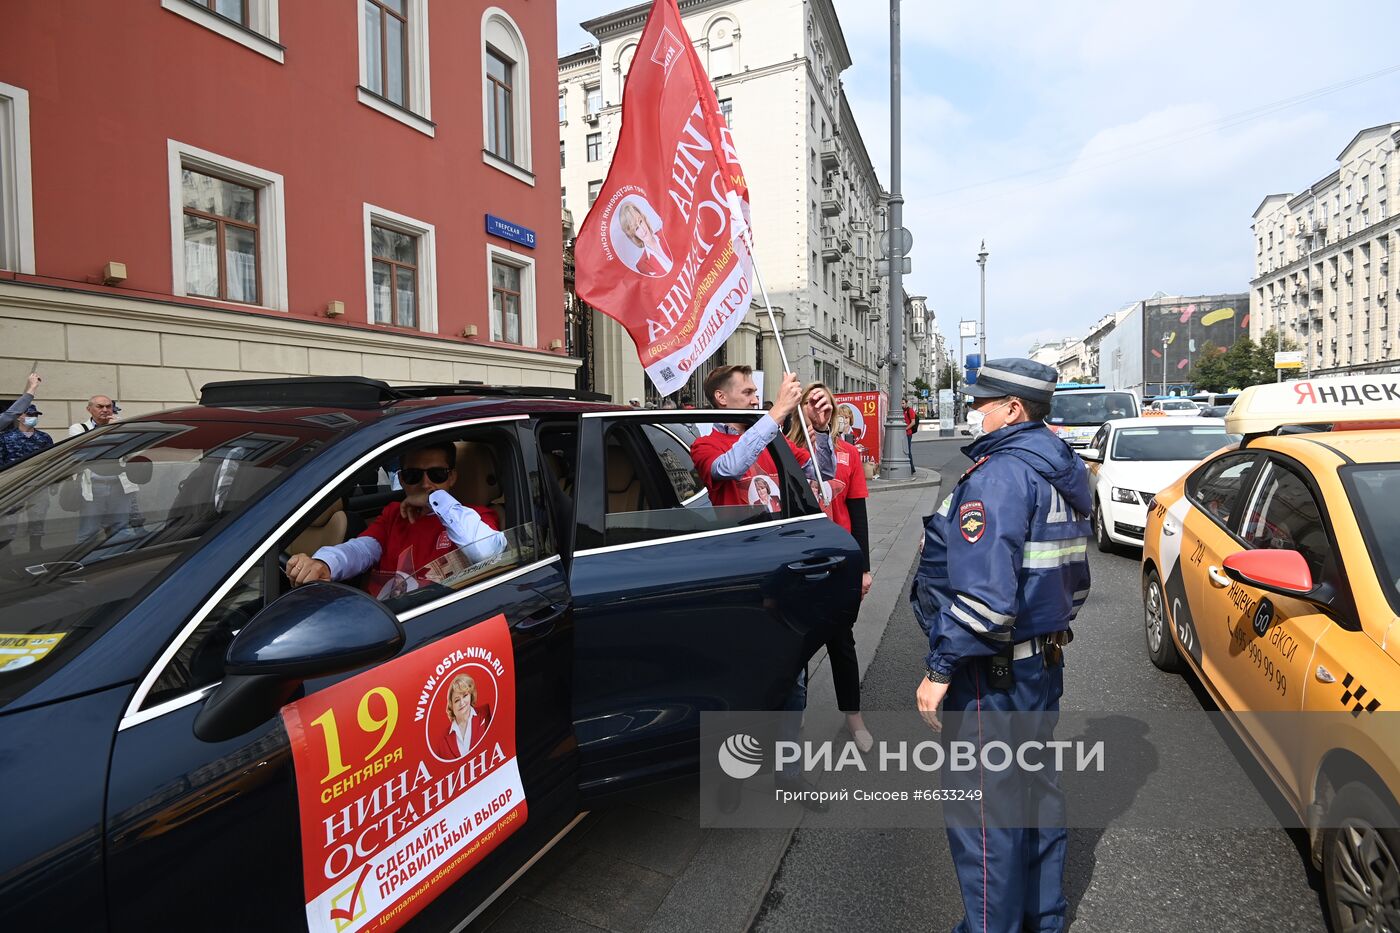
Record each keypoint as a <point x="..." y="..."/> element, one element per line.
<point x="1115" y="880"/>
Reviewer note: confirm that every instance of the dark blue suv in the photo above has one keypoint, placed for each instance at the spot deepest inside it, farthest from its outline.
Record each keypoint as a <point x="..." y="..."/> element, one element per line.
<point x="146" y="788"/>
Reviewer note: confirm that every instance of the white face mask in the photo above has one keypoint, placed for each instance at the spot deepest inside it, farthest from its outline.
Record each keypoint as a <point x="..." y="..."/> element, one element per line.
<point x="975" y="420"/>
<point x="29" y="422"/>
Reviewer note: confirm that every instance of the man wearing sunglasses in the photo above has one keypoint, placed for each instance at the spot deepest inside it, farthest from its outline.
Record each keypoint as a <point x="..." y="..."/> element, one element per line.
<point x="427" y="524"/>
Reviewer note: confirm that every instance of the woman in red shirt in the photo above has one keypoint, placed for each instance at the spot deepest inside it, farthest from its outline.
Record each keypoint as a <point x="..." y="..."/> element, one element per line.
<point x="847" y="509"/>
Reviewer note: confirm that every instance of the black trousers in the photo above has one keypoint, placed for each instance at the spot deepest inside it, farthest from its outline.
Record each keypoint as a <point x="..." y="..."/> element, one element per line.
<point x="845" y="670"/>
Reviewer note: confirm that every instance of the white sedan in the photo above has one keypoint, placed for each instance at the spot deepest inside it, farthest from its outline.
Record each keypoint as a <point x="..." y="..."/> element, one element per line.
<point x="1131" y="460"/>
<point x="1176" y="407"/>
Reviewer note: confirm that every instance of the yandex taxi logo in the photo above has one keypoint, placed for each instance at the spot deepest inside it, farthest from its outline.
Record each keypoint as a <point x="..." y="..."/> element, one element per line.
<point x="1347" y="402"/>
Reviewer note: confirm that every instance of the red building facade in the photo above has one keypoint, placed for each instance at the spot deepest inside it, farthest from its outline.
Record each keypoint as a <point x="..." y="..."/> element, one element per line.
<point x="292" y="187"/>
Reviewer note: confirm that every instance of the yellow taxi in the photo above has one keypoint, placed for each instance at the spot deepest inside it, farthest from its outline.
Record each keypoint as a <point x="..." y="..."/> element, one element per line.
<point x="1272" y="571"/>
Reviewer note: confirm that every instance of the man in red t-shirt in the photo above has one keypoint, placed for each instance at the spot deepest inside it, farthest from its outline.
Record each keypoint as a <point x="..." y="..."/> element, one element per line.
<point x="733" y="460"/>
<point x="409" y="535"/>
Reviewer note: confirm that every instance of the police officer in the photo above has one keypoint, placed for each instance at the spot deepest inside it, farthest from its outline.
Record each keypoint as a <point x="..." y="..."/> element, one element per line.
<point x="1004" y="570"/>
<point x="24" y="439"/>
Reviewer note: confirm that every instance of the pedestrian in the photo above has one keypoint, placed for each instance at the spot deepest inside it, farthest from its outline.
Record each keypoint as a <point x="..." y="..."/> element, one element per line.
<point x="634" y="403"/>
<point x="847" y="509"/>
<point x="101" y="411"/>
<point x="731" y="460"/>
<point x="18" y="443"/>
<point x="911" y="424"/>
<point x="16" y="410"/>
<point x="107" y="498"/>
<point x="1003" y="572"/>
<point x="686" y="401"/>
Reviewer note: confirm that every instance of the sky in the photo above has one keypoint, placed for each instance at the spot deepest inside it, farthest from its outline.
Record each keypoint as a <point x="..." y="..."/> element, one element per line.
<point x="1104" y="149"/>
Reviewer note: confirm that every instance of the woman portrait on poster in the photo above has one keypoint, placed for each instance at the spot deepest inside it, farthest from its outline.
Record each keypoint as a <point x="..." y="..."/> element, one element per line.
<point x="466" y="721"/>
<point x="640" y="246"/>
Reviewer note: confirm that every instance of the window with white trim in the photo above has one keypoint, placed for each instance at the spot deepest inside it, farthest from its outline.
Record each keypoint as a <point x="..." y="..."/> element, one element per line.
<point x="228" y="229"/>
<point x="16" y="191"/>
<point x="394" y="68"/>
<point x="594" y="187"/>
<point x="592" y="100"/>
<point x="512" y="288"/>
<point x="505" y="90"/>
<point x="400" y="270"/>
<point x="594" y="146"/>
<point x="563" y="107"/>
<point x="722" y="38"/>
<point x="253" y="24"/>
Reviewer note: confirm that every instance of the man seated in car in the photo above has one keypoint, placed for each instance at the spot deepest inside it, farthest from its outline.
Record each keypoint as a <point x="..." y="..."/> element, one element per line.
<point x="429" y="523"/>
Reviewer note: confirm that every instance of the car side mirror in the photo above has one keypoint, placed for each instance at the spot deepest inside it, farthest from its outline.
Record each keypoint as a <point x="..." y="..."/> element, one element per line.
<point x="1092" y="454"/>
<point x="312" y="631"/>
<point x="1279" y="571"/>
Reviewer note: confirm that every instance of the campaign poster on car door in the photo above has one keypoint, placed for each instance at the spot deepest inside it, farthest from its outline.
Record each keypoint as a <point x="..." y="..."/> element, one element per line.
<point x="406" y="778"/>
<point x="860" y="420"/>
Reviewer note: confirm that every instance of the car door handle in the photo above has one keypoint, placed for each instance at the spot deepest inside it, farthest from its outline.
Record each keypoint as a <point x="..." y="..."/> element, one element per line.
<point x="1218" y="579"/>
<point x="542" y="621"/>
<point x="817" y="564"/>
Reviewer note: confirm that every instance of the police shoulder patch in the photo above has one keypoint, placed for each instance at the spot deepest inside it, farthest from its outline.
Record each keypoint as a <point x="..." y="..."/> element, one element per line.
<point x="972" y="520"/>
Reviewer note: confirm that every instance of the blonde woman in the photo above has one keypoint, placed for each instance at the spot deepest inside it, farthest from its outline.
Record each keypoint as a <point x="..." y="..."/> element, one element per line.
<point x="654" y="259"/>
<point x="847" y="509"/>
<point x="467" y="721"/>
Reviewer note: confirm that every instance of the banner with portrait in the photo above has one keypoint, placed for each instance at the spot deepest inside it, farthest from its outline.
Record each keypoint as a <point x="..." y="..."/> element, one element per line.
<point x="406" y="778"/>
<point x="666" y="249"/>
<point x="860" y="420"/>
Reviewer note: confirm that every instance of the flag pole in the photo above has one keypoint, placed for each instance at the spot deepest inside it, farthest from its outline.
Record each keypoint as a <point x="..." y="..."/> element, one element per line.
<point x="787" y="368"/>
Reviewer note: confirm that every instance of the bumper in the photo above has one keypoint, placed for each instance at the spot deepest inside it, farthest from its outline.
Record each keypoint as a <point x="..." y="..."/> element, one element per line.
<point x="1126" y="522"/>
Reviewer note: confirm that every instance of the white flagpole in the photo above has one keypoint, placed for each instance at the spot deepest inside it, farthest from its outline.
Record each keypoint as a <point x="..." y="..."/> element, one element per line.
<point x="787" y="368"/>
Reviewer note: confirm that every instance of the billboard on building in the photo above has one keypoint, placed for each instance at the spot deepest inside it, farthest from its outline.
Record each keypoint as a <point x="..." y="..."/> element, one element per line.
<point x="1178" y="328"/>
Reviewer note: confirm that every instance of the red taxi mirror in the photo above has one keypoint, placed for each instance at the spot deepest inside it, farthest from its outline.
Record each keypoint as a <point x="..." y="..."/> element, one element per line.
<point x="1277" y="571"/>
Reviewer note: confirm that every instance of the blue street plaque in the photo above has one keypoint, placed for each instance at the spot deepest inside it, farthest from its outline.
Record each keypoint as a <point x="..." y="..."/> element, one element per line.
<point x="509" y="231"/>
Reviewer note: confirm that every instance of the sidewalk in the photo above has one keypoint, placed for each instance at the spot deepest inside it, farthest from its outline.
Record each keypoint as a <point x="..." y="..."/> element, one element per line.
<point x="648" y="865"/>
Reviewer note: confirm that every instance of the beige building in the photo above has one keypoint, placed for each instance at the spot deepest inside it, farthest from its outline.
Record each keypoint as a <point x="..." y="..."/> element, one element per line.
<point x="818" y="207"/>
<point x="1322" y="261"/>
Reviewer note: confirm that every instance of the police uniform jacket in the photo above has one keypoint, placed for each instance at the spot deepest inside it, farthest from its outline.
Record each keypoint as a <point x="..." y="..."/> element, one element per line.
<point x="1005" y="557"/>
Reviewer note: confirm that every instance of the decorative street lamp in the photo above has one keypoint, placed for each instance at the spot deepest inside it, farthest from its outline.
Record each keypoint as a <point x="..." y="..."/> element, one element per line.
<point x="982" y="268"/>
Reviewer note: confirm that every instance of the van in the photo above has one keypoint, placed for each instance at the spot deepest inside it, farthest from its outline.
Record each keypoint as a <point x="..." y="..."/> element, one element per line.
<point x="1077" y="412"/>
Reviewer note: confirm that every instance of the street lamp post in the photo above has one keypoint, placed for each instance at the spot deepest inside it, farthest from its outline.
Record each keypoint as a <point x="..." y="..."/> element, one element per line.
<point x="1165" y="343"/>
<point x="982" y="268"/>
<point x="895" y="462"/>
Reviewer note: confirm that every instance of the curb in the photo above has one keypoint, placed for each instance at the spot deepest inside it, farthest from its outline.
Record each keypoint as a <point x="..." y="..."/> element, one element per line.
<point x="922" y="479"/>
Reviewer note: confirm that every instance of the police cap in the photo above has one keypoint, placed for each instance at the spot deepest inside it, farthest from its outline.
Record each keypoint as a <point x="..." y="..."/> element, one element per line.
<point x="1022" y="378"/>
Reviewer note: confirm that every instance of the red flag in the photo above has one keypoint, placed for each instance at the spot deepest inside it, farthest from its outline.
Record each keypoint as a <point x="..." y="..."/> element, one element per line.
<point x="666" y="248"/>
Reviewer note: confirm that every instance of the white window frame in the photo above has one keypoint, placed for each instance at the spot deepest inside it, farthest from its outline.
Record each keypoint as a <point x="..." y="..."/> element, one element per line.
<point x="16" y="182"/>
<point x="419" y="113"/>
<point x="497" y="23"/>
<point x="427" y="263"/>
<point x="272" y="221"/>
<point x="529" y="335"/>
<point x="261" y="34"/>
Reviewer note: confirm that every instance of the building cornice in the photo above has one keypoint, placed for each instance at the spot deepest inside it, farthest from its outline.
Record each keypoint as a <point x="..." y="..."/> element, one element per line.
<point x="634" y="18"/>
<point x="592" y="55"/>
<point x="831" y="26"/>
<point x="1394" y="128"/>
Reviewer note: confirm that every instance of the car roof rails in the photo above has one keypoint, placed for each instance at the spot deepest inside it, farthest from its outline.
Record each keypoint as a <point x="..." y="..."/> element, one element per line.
<point x="469" y="387"/>
<point x="360" y="392"/>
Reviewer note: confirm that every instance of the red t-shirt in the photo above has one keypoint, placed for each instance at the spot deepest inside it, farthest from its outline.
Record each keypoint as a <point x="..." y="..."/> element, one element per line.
<point x="411" y="546"/>
<point x="848" y="484"/>
<point x="759" y="486"/>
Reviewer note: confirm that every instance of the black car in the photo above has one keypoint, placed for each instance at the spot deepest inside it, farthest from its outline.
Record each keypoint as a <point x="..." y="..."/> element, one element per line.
<point x="144" y="792"/>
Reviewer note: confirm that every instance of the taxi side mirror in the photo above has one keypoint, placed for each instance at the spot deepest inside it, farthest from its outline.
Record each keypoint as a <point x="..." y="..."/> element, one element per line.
<point x="316" y="630"/>
<point x="1091" y="454"/>
<point x="1280" y="571"/>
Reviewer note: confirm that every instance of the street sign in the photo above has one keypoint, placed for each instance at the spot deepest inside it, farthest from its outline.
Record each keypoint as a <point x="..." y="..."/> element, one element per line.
<point x="945" y="410"/>
<point x="882" y="266"/>
<point x="967" y="328"/>
<point x="906" y="242"/>
<point x="1288" y="359"/>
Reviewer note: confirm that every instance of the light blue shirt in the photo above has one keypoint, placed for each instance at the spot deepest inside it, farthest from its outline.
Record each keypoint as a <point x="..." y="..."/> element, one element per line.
<point x="464" y="529"/>
<point x="738" y="459"/>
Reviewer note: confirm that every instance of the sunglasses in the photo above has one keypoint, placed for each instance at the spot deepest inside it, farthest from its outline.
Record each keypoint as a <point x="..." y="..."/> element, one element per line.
<point x="412" y="476"/>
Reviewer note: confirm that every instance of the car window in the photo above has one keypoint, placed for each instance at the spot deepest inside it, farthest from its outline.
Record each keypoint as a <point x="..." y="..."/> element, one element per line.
<point x="1283" y="514"/>
<point x="1216" y="487"/>
<point x="654" y="489"/>
<point x="422" y="562"/>
<point x="1192" y="442"/>
<point x="1077" y="408"/>
<point x="1100" y="441"/>
<point x="91" y="523"/>
<point x="1374" y="490"/>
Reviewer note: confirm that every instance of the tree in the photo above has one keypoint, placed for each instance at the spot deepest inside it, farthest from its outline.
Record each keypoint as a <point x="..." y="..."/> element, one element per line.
<point x="1271" y="343"/>
<point x="1209" y="372"/>
<point x="1241" y="364"/>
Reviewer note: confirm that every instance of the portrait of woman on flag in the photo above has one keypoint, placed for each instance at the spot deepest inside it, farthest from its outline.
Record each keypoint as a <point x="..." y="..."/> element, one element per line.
<point x="636" y="237"/>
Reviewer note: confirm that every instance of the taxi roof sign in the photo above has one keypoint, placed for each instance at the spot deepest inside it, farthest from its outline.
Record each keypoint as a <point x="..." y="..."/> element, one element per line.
<point x="1263" y="409"/>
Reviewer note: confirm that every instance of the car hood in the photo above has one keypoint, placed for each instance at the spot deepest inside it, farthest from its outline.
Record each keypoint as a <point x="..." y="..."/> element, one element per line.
<point x="1151" y="476"/>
